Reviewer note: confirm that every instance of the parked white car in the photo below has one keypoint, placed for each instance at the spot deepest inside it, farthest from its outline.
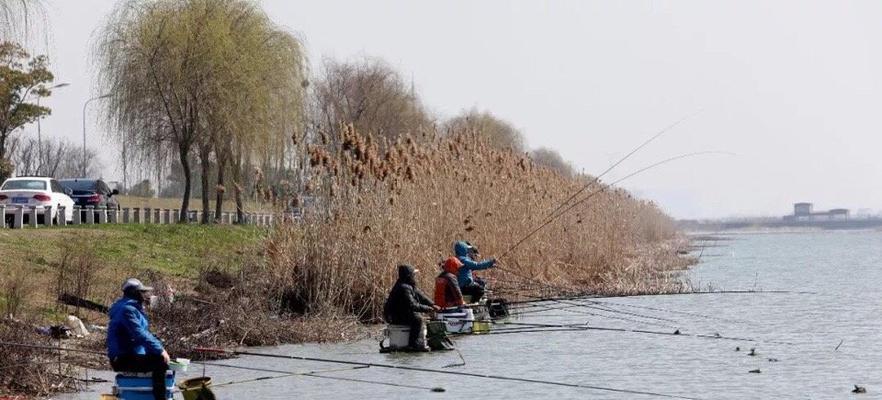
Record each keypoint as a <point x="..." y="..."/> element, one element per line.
<point x="28" y="192"/>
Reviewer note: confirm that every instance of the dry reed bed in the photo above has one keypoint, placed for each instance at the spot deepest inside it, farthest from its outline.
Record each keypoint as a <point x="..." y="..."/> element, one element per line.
<point x="380" y="204"/>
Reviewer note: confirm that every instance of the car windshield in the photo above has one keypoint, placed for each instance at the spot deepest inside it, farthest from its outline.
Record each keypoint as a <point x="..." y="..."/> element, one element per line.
<point x="80" y="185"/>
<point x="24" y="184"/>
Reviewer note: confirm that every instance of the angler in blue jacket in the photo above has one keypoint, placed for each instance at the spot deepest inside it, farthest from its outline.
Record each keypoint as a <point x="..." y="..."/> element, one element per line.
<point x="130" y="345"/>
<point x="468" y="284"/>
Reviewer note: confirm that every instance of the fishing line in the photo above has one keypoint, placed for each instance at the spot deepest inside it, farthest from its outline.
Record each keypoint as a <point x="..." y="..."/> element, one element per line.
<point x="643" y="331"/>
<point x="686" y="313"/>
<point x="565" y="309"/>
<point x="447" y="372"/>
<point x="53" y="348"/>
<point x="602" y="189"/>
<point x="284" y="374"/>
<point x="621" y="160"/>
<point x="315" y="374"/>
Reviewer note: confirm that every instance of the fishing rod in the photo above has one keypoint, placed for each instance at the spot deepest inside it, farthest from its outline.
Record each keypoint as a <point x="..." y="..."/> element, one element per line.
<point x="686" y="313"/>
<point x="643" y="331"/>
<point x="314" y="374"/>
<point x="594" y="193"/>
<point x="621" y="160"/>
<point x="53" y="348"/>
<point x="441" y="371"/>
<point x="567" y="308"/>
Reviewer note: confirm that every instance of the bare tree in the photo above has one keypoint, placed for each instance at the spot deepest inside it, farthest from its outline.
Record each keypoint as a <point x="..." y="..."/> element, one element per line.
<point x="553" y="160"/>
<point x="369" y="94"/>
<point x="60" y="158"/>
<point x="499" y="132"/>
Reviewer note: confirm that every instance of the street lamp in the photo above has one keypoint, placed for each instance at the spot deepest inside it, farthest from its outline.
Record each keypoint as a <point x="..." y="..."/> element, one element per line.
<point x="40" y="135"/>
<point x="86" y="104"/>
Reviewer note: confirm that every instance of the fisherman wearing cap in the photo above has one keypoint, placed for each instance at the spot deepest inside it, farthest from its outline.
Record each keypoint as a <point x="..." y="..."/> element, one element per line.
<point x="130" y="345"/>
<point x="468" y="254"/>
<point x="405" y="304"/>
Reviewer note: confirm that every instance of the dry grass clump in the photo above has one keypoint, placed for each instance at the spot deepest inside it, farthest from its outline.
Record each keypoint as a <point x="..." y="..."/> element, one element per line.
<point x="232" y="309"/>
<point x="29" y="371"/>
<point x="383" y="203"/>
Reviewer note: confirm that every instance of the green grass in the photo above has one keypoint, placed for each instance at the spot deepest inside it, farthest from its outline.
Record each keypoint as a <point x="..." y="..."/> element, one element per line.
<point x="179" y="250"/>
<point x="31" y="257"/>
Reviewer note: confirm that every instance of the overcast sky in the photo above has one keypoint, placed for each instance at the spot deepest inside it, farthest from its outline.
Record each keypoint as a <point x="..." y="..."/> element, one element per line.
<point x="791" y="87"/>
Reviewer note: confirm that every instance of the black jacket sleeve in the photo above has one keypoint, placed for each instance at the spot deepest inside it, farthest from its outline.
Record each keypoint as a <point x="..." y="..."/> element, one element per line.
<point x="418" y="301"/>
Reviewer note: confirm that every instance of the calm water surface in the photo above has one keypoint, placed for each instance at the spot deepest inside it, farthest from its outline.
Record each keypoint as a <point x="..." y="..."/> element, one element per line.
<point x="843" y="269"/>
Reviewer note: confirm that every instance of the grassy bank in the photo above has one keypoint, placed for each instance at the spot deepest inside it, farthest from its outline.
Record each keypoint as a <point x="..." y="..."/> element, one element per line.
<point x="36" y="265"/>
<point x="34" y="257"/>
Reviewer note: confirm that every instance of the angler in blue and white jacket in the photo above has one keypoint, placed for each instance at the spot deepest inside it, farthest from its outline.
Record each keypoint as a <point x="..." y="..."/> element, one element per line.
<point x="131" y="346"/>
<point x="468" y="284"/>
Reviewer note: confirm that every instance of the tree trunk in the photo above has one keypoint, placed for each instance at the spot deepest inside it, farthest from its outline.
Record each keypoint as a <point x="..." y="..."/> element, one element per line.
<point x="183" y="153"/>
<point x="221" y="189"/>
<point x="237" y="189"/>
<point x="204" y="153"/>
<point x="3" y="137"/>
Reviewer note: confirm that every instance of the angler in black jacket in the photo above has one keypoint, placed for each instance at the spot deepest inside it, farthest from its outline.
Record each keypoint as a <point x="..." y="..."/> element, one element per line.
<point x="405" y="303"/>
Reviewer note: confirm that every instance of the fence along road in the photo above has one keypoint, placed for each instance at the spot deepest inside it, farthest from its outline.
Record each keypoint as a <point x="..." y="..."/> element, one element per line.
<point x="102" y="215"/>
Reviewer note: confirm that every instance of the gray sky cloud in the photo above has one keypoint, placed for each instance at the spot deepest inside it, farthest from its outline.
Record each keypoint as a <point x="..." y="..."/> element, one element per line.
<point x="791" y="87"/>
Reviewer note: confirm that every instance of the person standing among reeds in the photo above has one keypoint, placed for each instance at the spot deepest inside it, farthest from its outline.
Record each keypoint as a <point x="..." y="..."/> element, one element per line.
<point x="467" y="254"/>
<point x="405" y="304"/>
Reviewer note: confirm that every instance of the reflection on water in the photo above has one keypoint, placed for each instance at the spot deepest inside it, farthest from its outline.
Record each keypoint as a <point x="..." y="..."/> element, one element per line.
<point x="842" y="268"/>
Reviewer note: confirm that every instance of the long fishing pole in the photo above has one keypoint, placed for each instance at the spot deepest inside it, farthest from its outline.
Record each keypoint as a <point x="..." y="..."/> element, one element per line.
<point x="314" y="374"/>
<point x="686" y="313"/>
<point x="621" y="160"/>
<point x="569" y="308"/>
<point x="648" y="332"/>
<point x="446" y="372"/>
<point x="594" y="193"/>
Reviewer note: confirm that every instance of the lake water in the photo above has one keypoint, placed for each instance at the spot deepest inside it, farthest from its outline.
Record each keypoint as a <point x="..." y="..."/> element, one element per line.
<point x="842" y="269"/>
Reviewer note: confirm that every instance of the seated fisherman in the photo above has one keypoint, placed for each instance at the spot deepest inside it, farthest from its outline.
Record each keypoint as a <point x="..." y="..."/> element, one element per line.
<point x="468" y="284"/>
<point x="447" y="293"/>
<point x="130" y="345"/>
<point x="405" y="304"/>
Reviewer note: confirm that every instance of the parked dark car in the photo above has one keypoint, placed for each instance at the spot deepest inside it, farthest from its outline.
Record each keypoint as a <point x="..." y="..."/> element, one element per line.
<point x="91" y="192"/>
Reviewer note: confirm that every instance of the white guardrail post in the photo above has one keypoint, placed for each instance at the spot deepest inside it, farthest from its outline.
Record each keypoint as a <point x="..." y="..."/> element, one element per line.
<point x="102" y="214"/>
<point x="77" y="215"/>
<point x="90" y="215"/>
<point x="47" y="216"/>
<point x="18" y="218"/>
<point x="166" y="216"/>
<point x="126" y="217"/>
<point x="176" y="215"/>
<point x="147" y="215"/>
<point x="157" y="218"/>
<point x="61" y="216"/>
<point x="3" y="214"/>
<point x="113" y="215"/>
<point x="32" y="217"/>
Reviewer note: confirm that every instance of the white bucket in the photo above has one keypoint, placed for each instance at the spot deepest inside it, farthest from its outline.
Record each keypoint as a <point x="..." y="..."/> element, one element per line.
<point x="399" y="335"/>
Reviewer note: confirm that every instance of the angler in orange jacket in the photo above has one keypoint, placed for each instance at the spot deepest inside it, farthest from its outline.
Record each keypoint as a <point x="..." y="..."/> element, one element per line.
<point x="447" y="292"/>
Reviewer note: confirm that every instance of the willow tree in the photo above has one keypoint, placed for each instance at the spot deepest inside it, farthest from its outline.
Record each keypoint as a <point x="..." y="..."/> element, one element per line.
<point x="19" y="17"/>
<point x="196" y="76"/>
